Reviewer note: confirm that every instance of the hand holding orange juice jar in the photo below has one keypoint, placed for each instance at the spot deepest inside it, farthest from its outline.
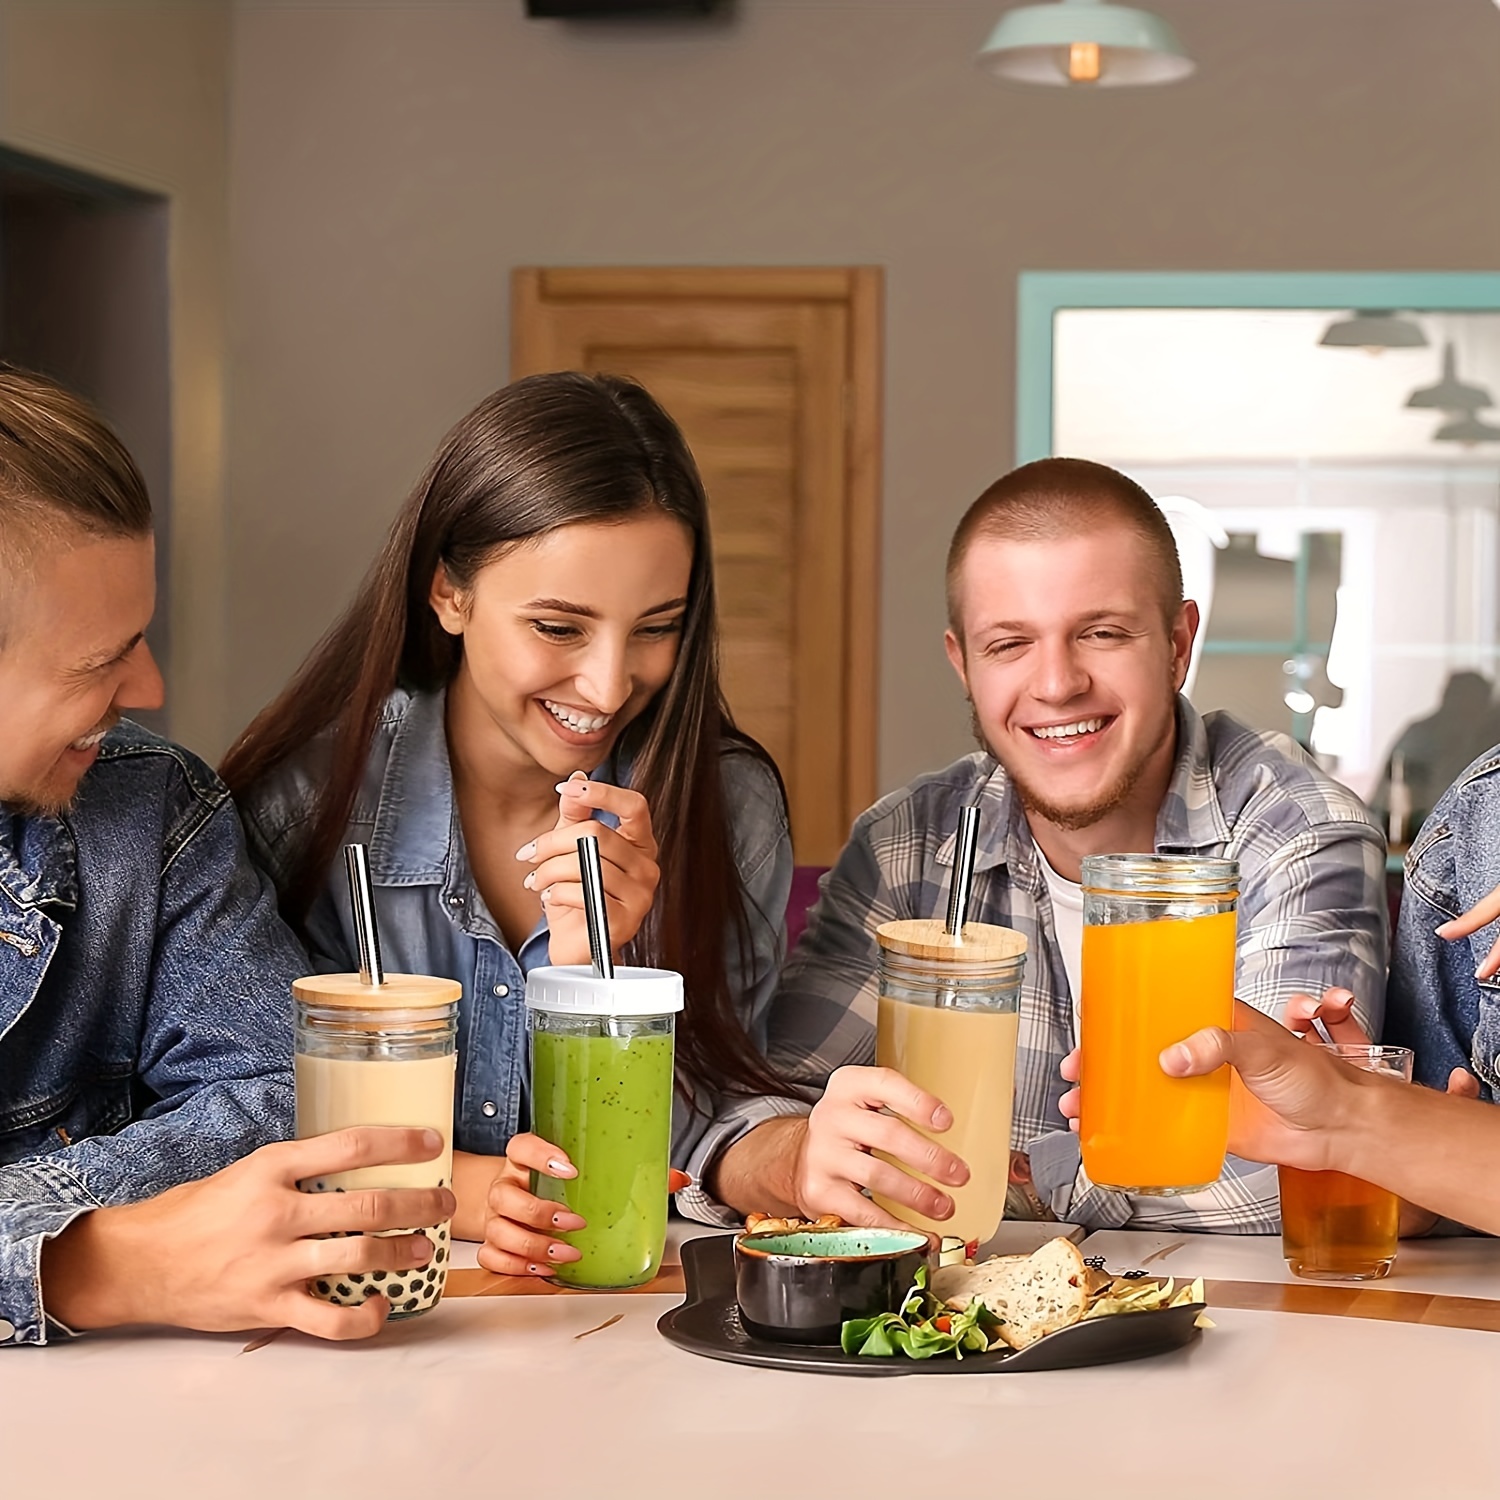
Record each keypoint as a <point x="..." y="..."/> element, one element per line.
<point x="1158" y="965"/>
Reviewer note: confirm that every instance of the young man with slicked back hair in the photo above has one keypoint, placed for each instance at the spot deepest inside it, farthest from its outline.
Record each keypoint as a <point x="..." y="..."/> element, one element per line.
<point x="1069" y="632"/>
<point x="145" y="1036"/>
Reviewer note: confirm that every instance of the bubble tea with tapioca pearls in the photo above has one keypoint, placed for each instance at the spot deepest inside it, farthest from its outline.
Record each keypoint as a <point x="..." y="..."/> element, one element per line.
<point x="382" y="1054"/>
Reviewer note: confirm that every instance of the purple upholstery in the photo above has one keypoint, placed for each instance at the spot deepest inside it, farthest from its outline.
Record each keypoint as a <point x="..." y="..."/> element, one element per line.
<point x="800" y="902"/>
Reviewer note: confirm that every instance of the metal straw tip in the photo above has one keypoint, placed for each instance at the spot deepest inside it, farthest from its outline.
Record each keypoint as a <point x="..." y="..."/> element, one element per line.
<point x="965" y="847"/>
<point x="362" y="900"/>
<point x="597" y="918"/>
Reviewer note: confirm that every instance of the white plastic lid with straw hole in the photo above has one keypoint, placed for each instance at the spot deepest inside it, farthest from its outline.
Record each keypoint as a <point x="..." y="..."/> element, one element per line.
<point x="575" y="989"/>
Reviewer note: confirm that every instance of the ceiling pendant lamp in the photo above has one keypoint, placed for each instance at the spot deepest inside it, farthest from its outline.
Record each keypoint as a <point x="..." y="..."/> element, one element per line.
<point x="1086" y="42"/>
<point x="1373" y="331"/>
<point x="1467" y="430"/>
<point x="1450" y="393"/>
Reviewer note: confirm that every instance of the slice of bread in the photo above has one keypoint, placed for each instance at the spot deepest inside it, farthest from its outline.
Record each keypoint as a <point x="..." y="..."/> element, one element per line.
<point x="1032" y="1295"/>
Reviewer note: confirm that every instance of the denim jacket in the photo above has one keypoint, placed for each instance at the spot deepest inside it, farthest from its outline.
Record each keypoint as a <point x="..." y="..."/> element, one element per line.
<point x="144" y="1011"/>
<point x="433" y="919"/>
<point x="1434" y="1004"/>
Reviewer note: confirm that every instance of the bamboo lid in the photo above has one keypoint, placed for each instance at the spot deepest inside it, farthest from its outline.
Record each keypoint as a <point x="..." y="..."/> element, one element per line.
<point x="928" y="938"/>
<point x="399" y="992"/>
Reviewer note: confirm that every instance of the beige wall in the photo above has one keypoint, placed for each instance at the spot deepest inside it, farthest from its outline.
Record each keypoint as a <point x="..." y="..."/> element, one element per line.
<point x="136" y="91"/>
<point x="391" y="163"/>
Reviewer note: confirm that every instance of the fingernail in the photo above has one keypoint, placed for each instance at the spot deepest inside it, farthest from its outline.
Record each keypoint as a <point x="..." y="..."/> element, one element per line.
<point x="556" y="1252"/>
<point x="942" y="1117"/>
<point x="537" y="1270"/>
<point x="575" y="785"/>
<point x="526" y="851"/>
<point x="546" y="895"/>
<point x="530" y="877"/>
<point x="432" y="1139"/>
<point x="559" y="1168"/>
<point x="564" y="1220"/>
<point x="1442" y="931"/>
<point x="1176" y="1060"/>
<point x="421" y="1250"/>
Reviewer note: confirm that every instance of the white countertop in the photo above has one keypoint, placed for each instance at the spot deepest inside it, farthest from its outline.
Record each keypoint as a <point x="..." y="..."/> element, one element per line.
<point x="493" y="1395"/>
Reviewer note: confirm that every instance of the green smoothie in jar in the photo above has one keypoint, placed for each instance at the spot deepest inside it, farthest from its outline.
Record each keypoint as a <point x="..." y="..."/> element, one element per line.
<point x="601" y="1089"/>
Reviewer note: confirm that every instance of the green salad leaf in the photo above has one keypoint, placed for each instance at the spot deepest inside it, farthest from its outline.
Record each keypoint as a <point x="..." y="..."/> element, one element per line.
<point x="915" y="1331"/>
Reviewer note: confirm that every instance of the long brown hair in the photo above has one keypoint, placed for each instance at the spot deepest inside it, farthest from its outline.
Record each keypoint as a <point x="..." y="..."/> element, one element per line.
<point x="548" y="451"/>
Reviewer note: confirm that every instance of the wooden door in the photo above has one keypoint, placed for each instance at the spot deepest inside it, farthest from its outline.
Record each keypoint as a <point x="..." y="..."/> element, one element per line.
<point x="773" y="376"/>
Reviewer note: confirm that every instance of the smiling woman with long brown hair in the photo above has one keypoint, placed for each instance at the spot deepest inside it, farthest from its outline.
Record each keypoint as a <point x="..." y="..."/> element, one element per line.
<point x="534" y="656"/>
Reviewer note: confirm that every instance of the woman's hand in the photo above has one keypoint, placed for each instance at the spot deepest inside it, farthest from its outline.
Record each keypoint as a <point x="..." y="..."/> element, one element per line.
<point x="1414" y="1219"/>
<point x="627" y="856"/>
<point x="1481" y="914"/>
<point x="517" y="1241"/>
<point x="520" y="1232"/>
<point x="1334" y="1008"/>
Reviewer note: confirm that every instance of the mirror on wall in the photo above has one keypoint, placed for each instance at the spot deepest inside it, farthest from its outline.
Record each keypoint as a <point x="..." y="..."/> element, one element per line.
<point x="1333" y="478"/>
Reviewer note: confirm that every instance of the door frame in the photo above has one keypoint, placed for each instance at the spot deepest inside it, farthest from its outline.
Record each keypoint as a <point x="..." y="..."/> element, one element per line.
<point x="1041" y="295"/>
<point x="861" y="290"/>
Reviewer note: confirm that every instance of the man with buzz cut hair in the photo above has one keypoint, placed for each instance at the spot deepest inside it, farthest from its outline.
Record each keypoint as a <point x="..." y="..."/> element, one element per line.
<point x="1069" y="632"/>
<point x="145" y="1037"/>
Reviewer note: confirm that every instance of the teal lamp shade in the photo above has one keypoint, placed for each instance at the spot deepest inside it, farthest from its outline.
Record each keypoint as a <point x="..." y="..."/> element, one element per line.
<point x="1469" y="430"/>
<point x="1451" y="394"/>
<point x="1085" y="42"/>
<point x="1374" y="330"/>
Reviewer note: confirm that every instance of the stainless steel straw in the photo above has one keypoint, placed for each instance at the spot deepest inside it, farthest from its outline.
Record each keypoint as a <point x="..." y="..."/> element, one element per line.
<point x="362" y="898"/>
<point x="964" y="848"/>
<point x="593" y="906"/>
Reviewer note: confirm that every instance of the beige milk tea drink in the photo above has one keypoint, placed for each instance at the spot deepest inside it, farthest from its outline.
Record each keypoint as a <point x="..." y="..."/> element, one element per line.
<point x="948" y="1019"/>
<point x="380" y="1055"/>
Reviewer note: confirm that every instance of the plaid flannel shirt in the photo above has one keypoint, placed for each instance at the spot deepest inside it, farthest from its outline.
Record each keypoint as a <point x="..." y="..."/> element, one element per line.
<point x="1312" y="913"/>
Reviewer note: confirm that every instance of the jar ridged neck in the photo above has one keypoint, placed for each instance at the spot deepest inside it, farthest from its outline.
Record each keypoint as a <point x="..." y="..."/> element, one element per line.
<point x="1163" y="877"/>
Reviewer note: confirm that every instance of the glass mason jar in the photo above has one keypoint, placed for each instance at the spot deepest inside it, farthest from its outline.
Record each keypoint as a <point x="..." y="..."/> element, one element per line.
<point x="1158" y="965"/>
<point x="602" y="1086"/>
<point x="948" y="1020"/>
<point x="380" y="1055"/>
<point x="1335" y="1227"/>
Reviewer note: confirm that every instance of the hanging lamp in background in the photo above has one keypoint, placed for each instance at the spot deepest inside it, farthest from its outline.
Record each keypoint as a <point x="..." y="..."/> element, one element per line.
<point x="1468" y="430"/>
<point x="1451" y="394"/>
<point x="1087" y="42"/>
<point x="1374" y="331"/>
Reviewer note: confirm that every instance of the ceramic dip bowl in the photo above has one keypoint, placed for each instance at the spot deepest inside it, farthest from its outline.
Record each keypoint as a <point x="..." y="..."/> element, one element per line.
<point x="801" y="1287"/>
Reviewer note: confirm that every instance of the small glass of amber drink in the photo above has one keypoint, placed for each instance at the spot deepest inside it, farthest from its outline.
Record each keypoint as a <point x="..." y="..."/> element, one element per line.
<point x="1335" y="1227"/>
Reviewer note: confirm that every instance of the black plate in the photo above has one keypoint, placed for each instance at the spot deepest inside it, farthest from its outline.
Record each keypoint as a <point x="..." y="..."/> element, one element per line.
<point x="708" y="1323"/>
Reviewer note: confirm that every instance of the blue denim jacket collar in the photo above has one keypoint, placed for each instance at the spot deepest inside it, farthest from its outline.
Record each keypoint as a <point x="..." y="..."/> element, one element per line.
<point x="1190" y="817"/>
<point x="38" y="861"/>
<point x="414" y="820"/>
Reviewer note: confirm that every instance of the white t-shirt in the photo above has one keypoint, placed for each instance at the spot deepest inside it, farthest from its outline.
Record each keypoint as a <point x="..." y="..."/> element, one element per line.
<point x="1067" y="927"/>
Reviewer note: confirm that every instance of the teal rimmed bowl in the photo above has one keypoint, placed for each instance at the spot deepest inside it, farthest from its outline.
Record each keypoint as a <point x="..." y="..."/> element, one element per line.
<point x="801" y="1287"/>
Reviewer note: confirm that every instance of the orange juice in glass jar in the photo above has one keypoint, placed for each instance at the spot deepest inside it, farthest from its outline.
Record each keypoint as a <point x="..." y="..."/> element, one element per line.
<point x="1158" y="964"/>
